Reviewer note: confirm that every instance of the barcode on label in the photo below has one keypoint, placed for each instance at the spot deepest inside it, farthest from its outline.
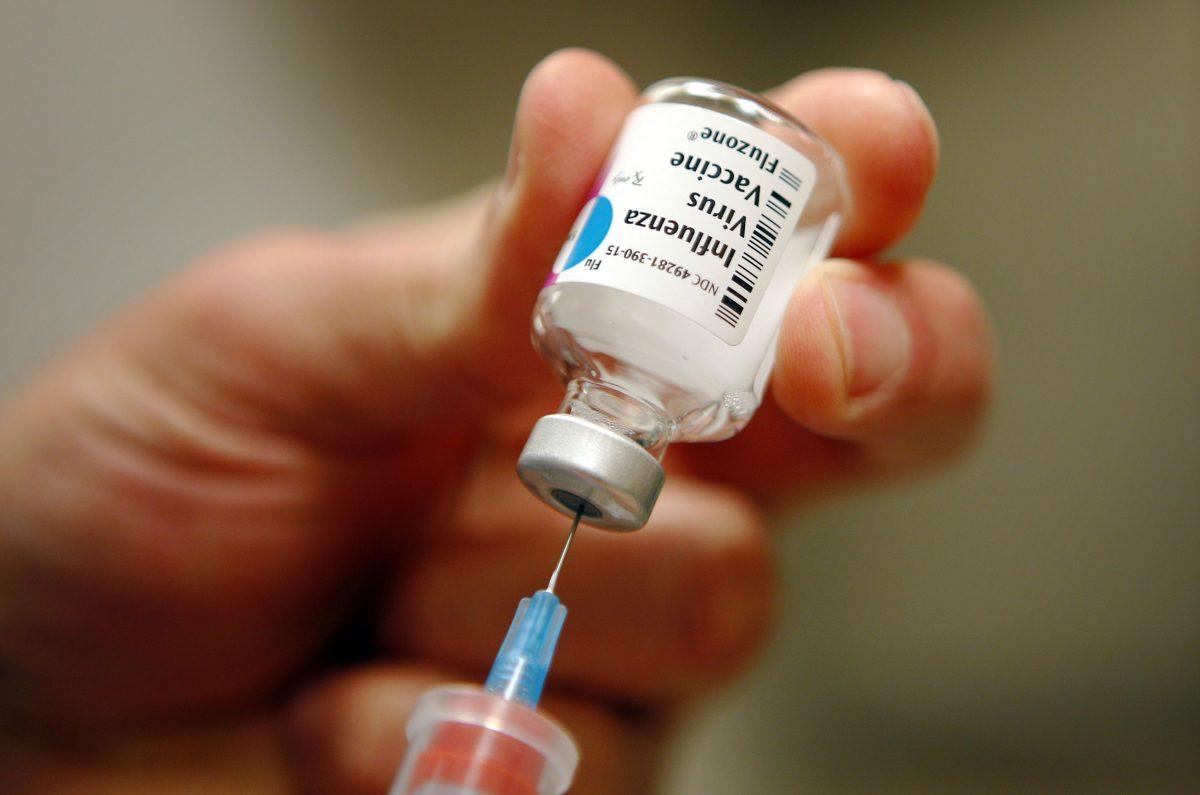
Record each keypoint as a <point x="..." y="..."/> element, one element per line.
<point x="754" y="257"/>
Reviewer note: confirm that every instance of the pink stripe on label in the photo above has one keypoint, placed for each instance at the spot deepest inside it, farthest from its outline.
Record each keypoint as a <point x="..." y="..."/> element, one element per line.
<point x="598" y="185"/>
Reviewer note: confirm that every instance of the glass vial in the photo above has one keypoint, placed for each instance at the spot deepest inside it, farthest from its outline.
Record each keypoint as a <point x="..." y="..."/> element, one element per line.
<point x="662" y="311"/>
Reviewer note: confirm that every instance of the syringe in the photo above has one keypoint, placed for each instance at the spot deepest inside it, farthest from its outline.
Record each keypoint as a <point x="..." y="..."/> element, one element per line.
<point x="464" y="740"/>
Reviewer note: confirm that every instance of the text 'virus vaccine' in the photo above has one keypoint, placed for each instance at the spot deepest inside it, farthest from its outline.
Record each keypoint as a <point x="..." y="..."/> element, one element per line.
<point x="663" y="308"/>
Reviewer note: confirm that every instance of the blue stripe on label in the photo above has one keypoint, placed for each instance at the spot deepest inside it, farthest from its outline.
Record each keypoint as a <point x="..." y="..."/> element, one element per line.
<point x="592" y="233"/>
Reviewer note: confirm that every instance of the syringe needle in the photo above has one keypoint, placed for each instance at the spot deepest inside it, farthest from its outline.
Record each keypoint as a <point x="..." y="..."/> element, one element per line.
<point x="566" y="546"/>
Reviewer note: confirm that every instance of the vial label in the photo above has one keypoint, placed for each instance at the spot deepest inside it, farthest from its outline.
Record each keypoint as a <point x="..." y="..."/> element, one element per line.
<point x="693" y="211"/>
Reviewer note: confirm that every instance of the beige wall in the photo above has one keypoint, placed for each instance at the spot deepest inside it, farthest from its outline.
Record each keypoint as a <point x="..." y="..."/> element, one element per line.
<point x="1030" y="620"/>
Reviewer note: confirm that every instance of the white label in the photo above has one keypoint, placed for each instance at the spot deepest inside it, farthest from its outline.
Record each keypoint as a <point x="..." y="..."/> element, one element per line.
<point x="693" y="212"/>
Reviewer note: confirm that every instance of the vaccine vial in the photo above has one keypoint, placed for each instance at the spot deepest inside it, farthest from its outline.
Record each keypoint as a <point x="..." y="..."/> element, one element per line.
<point x="662" y="311"/>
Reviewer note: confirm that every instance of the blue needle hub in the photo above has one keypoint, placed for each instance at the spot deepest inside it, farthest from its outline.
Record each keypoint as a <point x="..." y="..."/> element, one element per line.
<point x="520" y="670"/>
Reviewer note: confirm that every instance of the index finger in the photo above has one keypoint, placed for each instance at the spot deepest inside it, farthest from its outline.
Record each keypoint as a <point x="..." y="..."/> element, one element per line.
<point x="887" y="140"/>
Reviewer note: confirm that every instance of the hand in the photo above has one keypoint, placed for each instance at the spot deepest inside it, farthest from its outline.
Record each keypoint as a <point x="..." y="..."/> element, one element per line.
<point x="247" y="522"/>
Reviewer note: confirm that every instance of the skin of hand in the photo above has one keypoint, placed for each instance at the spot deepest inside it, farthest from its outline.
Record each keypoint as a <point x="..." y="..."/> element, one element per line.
<point x="245" y="523"/>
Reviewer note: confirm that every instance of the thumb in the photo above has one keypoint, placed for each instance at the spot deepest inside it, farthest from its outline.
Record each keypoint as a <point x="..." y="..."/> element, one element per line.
<point x="498" y="245"/>
<point x="570" y="110"/>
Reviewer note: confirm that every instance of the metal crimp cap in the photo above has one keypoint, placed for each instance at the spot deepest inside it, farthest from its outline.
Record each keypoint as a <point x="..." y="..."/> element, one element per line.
<point x="569" y="462"/>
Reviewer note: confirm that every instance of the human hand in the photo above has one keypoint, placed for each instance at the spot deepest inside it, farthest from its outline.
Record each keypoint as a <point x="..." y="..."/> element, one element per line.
<point x="247" y="522"/>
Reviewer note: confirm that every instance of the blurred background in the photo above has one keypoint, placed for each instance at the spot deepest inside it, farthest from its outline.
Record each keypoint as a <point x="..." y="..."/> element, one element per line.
<point x="1029" y="621"/>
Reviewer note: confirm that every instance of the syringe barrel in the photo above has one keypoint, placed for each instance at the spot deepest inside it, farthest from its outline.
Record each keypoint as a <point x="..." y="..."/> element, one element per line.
<point x="465" y="741"/>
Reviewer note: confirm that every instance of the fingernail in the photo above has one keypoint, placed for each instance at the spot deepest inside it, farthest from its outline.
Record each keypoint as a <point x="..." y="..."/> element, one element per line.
<point x="911" y="95"/>
<point x="514" y="162"/>
<point x="505" y="188"/>
<point x="871" y="333"/>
